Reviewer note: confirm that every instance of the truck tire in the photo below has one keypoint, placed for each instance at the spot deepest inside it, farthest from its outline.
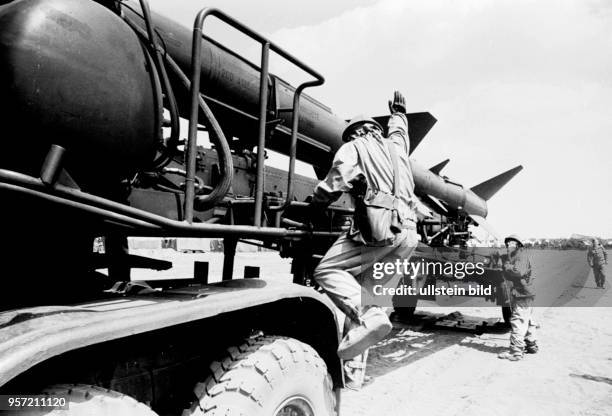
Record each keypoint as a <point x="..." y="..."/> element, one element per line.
<point x="266" y="376"/>
<point x="84" y="399"/>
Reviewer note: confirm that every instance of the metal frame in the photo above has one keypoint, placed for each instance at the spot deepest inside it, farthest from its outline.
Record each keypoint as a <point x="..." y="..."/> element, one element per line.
<point x="141" y="222"/>
<point x="196" y="59"/>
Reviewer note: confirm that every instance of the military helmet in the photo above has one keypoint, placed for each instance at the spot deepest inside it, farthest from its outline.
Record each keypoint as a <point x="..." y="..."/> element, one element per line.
<point x="356" y="122"/>
<point x="514" y="237"/>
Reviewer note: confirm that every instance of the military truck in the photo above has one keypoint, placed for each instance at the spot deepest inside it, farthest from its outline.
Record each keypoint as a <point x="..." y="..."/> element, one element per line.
<point x="91" y="101"/>
<point x="92" y="94"/>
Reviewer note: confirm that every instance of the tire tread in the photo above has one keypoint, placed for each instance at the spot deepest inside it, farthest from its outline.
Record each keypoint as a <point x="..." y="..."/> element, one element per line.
<point x="262" y="357"/>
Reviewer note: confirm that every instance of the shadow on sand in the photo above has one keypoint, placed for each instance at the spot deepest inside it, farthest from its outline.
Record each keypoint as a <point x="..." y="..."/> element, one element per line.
<point x="417" y="338"/>
<point x="599" y="379"/>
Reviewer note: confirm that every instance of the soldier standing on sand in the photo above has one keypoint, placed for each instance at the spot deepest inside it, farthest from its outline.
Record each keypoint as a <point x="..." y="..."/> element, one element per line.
<point x="375" y="170"/>
<point x="517" y="270"/>
<point x="598" y="258"/>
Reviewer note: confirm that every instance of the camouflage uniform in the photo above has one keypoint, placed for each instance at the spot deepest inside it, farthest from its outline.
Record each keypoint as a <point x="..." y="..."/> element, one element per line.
<point x="597" y="258"/>
<point x="341" y="271"/>
<point x="523" y="335"/>
<point x="344" y="273"/>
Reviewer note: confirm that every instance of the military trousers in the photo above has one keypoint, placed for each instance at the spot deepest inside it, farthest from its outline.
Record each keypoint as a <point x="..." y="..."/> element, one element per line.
<point x="345" y="272"/>
<point x="523" y="325"/>
<point x="598" y="273"/>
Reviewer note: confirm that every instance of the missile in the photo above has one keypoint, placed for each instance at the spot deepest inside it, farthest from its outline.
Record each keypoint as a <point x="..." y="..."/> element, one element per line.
<point x="119" y="105"/>
<point x="455" y="196"/>
<point x="231" y="82"/>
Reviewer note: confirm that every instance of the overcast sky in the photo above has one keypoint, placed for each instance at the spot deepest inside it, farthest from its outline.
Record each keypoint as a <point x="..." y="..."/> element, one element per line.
<point x="510" y="82"/>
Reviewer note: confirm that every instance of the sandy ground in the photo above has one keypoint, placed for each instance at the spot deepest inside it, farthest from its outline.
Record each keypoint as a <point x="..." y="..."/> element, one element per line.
<point x="418" y="370"/>
<point x="438" y="372"/>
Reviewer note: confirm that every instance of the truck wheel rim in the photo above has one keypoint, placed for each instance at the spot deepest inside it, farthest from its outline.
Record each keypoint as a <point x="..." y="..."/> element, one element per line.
<point x="295" y="406"/>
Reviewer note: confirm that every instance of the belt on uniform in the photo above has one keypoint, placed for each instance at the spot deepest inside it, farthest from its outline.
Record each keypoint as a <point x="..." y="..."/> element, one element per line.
<point x="409" y="225"/>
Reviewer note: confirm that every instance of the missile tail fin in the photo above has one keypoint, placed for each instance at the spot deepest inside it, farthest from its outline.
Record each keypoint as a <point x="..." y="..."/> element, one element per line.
<point x="419" y="125"/>
<point x="488" y="188"/>
<point x="438" y="168"/>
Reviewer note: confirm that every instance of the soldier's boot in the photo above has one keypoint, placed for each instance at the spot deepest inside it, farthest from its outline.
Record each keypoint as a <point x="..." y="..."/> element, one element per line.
<point x="510" y="356"/>
<point x="375" y="325"/>
<point x="355" y="372"/>
<point x="531" y="347"/>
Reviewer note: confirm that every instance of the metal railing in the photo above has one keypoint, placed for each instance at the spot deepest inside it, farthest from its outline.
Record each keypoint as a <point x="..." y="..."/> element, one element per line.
<point x="196" y="69"/>
<point x="141" y="222"/>
<point x="138" y="221"/>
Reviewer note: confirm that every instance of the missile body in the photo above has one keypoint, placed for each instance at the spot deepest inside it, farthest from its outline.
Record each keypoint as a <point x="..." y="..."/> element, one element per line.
<point x="454" y="195"/>
<point x="229" y="79"/>
<point x="114" y="114"/>
<point x="232" y="82"/>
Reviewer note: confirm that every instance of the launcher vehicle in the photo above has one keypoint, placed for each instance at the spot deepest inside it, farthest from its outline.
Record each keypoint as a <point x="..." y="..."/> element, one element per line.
<point x="91" y="96"/>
